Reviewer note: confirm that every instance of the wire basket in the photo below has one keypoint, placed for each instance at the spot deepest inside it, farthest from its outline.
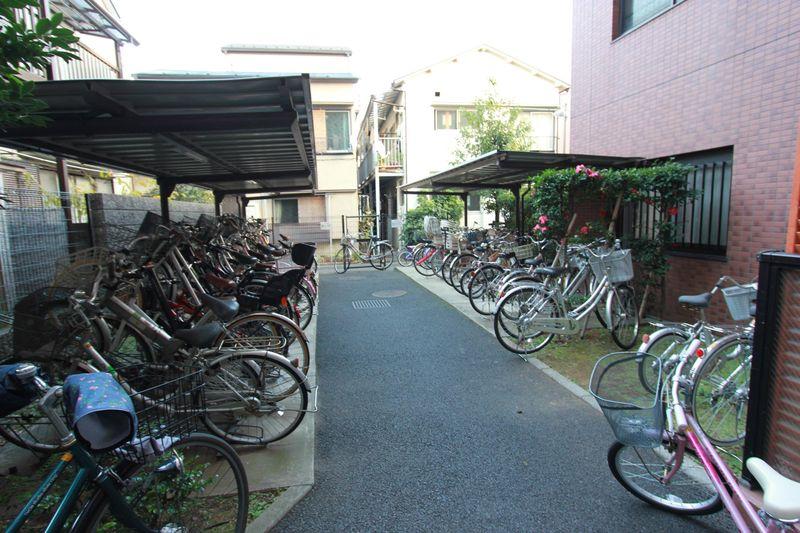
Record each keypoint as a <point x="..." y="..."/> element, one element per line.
<point x="79" y="270"/>
<point x="739" y="299"/>
<point x="169" y="402"/>
<point x="526" y="251"/>
<point x="633" y="410"/>
<point x="617" y="265"/>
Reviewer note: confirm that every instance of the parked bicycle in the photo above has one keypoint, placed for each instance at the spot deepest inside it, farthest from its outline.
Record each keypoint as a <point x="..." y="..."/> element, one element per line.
<point x="380" y="254"/>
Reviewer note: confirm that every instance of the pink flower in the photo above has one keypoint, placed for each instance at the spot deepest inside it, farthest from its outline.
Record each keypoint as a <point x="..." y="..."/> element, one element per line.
<point x="580" y="168"/>
<point x="584" y="230"/>
<point x="544" y="228"/>
<point x="543" y="219"/>
<point x="673" y="211"/>
<point x="537" y="227"/>
<point x="592" y="174"/>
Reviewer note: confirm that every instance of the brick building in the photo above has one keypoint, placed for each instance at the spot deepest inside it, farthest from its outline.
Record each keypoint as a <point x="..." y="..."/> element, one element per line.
<point x="715" y="82"/>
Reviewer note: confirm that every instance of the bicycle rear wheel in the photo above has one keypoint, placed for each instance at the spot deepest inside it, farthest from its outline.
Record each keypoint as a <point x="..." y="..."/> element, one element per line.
<point x="268" y="331"/>
<point x="461" y="264"/>
<point x="624" y="315"/>
<point x="254" y="398"/>
<point x="341" y="261"/>
<point x="381" y="256"/>
<point x="639" y="470"/>
<point x="199" y="484"/>
<point x="422" y="260"/>
<point x="405" y="258"/>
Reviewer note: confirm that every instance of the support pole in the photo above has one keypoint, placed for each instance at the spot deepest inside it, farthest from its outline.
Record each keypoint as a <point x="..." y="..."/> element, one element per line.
<point x="375" y="140"/>
<point x="164" y="192"/>
<point x="64" y="189"/>
<point x="245" y="200"/>
<point x="517" y="208"/>
<point x="217" y="201"/>
<point x="465" y="197"/>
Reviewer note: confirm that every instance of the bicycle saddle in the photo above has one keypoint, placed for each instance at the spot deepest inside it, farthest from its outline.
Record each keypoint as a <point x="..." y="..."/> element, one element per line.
<point x="220" y="282"/>
<point x="550" y="271"/>
<point x="426" y="241"/>
<point x="242" y="258"/>
<point x="224" y="309"/>
<point x="200" y="336"/>
<point x="533" y="261"/>
<point x="781" y="494"/>
<point x="699" y="301"/>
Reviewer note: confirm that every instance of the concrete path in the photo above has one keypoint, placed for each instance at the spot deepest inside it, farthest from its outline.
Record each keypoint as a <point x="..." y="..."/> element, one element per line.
<point x="426" y="423"/>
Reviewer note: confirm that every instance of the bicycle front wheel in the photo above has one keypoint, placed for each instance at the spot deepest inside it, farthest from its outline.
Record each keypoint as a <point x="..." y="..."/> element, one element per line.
<point x="483" y="288"/>
<point x="341" y="261"/>
<point x="624" y="316"/>
<point x="641" y="472"/>
<point x="721" y="390"/>
<point x="199" y="484"/>
<point x="405" y="258"/>
<point x="515" y="320"/>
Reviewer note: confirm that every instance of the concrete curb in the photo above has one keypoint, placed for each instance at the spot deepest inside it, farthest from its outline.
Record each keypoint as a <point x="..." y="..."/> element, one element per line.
<point x="293" y="494"/>
<point x="456" y="300"/>
<point x="279" y="508"/>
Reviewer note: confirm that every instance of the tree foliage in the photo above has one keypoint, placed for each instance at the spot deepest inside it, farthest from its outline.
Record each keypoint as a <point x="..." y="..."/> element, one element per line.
<point x="28" y="48"/>
<point x="493" y="124"/>
<point x="442" y="207"/>
<point x="185" y="193"/>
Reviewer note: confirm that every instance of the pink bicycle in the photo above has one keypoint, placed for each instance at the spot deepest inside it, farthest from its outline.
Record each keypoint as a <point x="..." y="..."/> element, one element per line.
<point x="663" y="457"/>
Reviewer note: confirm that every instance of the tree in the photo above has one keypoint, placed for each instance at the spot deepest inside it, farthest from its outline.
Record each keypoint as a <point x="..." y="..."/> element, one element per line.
<point x="441" y="207"/>
<point x="493" y="125"/>
<point x="23" y="48"/>
<point x="185" y="193"/>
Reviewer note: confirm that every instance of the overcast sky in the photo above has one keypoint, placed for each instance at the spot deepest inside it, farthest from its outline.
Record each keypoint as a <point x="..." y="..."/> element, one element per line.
<point x="388" y="39"/>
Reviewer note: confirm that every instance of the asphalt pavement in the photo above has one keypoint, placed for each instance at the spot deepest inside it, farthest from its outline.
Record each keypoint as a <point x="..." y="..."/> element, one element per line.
<point x="427" y="424"/>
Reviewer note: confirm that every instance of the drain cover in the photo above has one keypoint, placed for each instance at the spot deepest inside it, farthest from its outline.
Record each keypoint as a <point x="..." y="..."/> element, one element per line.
<point x="391" y="293"/>
<point x="371" y="304"/>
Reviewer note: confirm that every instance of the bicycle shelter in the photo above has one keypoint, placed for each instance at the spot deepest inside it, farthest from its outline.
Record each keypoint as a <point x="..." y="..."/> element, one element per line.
<point x="506" y="170"/>
<point x="233" y="136"/>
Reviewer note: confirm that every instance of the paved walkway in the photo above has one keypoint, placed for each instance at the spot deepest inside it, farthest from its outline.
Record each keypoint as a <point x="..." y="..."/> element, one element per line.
<point x="426" y="423"/>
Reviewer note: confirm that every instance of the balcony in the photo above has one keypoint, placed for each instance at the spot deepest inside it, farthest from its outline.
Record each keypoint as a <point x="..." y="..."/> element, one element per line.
<point x="390" y="163"/>
<point x="90" y="66"/>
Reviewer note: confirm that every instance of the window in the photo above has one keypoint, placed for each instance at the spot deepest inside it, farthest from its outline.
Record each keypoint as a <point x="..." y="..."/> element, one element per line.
<point x="474" y="201"/>
<point x="337" y="130"/>
<point x="702" y="222"/>
<point x="542" y="131"/>
<point x="445" y="119"/>
<point x="633" y="13"/>
<point x="286" y="211"/>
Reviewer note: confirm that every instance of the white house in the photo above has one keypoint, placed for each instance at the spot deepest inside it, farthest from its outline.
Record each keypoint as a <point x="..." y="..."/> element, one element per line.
<point x="420" y="116"/>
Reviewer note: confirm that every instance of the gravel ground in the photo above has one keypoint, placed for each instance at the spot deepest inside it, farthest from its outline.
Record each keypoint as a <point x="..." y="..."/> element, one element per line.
<point x="426" y="423"/>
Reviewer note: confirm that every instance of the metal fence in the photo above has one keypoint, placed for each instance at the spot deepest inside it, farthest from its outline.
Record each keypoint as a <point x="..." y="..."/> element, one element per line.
<point x="33" y="233"/>
<point x="773" y="416"/>
<point x="307" y="229"/>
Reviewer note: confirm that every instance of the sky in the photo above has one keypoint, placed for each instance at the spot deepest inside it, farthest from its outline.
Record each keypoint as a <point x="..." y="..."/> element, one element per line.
<point x="388" y="39"/>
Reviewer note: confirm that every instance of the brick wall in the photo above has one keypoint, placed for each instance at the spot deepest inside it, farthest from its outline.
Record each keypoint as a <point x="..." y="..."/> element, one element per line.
<point x="704" y="74"/>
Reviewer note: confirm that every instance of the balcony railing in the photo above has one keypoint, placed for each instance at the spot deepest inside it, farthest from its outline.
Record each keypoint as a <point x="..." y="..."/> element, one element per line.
<point x="365" y="168"/>
<point x="90" y="66"/>
<point x="392" y="159"/>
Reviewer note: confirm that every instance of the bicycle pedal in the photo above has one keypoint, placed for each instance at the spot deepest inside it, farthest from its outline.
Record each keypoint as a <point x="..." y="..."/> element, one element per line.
<point x="296" y="362"/>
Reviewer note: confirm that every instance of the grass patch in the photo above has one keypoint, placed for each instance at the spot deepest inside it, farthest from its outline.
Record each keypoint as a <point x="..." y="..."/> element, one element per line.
<point x="260" y="502"/>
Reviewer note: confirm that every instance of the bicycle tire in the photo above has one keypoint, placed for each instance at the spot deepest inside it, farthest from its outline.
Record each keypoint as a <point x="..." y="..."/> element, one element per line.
<point x="482" y="295"/>
<point x="225" y="512"/>
<point x="460" y="264"/>
<point x="670" y="502"/>
<point x="341" y="261"/>
<point x="244" y="414"/>
<point x="405" y="258"/>
<point x="385" y="255"/>
<point x="446" y="264"/>
<point x="506" y="327"/>
<point x="623" y="313"/>
<point x="727" y="354"/>
<point x="422" y="261"/>
<point x="652" y="347"/>
<point x="303" y="304"/>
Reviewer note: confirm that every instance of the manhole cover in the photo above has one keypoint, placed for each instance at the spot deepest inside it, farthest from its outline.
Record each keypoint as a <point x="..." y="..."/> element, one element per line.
<point x="390" y="293"/>
<point x="371" y="304"/>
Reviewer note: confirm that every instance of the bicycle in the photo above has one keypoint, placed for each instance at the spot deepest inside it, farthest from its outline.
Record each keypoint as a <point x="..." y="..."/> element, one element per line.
<point x="722" y="374"/>
<point x="663" y="457"/>
<point x="380" y="254"/>
<point x="530" y="315"/>
<point x="165" y="476"/>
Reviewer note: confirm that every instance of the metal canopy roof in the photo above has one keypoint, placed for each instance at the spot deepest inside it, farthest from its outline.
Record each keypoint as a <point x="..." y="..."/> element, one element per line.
<point x="233" y="136"/>
<point x="505" y="169"/>
<point x="91" y="17"/>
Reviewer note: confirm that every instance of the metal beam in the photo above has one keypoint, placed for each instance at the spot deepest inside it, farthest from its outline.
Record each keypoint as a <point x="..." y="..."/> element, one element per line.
<point x="156" y="124"/>
<point x="285" y="195"/>
<point x="435" y="193"/>
<point x="288" y="106"/>
<point x="263" y="190"/>
<point x="254" y="176"/>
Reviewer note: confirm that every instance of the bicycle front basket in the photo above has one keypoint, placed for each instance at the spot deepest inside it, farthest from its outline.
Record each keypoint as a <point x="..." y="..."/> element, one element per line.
<point x="617" y="265"/>
<point x="627" y="387"/>
<point x="739" y="299"/>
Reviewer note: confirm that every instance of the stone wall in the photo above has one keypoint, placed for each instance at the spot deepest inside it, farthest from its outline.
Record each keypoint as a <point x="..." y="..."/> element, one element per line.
<point x="116" y="219"/>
